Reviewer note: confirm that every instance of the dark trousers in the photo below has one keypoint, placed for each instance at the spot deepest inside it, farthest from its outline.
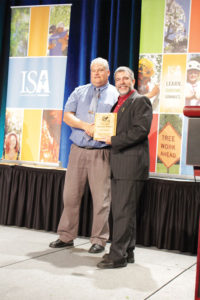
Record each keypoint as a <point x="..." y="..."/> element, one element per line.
<point x="125" y="195"/>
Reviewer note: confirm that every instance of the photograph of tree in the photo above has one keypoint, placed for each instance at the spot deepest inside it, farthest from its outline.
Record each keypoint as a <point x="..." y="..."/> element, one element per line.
<point x="176" y="26"/>
<point x="19" y="32"/>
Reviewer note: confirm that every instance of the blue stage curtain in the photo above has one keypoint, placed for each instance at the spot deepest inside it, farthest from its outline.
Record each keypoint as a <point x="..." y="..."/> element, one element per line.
<point x="4" y="53"/>
<point x="105" y="28"/>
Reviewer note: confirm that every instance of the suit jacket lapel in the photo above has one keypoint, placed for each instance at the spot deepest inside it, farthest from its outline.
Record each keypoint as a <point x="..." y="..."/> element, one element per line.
<point x="125" y="106"/>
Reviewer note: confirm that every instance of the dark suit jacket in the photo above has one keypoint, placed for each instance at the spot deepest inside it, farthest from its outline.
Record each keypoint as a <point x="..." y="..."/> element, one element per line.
<point x="130" y="146"/>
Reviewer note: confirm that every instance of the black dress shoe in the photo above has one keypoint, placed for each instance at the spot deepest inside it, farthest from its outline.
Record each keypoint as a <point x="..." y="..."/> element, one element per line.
<point x="130" y="257"/>
<point x="96" y="248"/>
<point x="59" y="244"/>
<point x="111" y="264"/>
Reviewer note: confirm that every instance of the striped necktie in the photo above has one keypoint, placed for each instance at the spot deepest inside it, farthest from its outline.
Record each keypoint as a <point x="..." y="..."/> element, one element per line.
<point x="92" y="109"/>
<point x="94" y="101"/>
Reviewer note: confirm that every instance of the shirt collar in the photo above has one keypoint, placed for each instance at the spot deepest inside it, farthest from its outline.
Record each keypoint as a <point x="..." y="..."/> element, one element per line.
<point x="103" y="87"/>
<point x="124" y="97"/>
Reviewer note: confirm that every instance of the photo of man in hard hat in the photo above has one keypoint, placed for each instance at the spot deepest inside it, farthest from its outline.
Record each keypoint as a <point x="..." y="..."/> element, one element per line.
<point x="192" y="90"/>
<point x="147" y="81"/>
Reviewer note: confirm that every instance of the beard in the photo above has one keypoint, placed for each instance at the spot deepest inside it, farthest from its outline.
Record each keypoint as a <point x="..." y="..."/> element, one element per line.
<point x="125" y="92"/>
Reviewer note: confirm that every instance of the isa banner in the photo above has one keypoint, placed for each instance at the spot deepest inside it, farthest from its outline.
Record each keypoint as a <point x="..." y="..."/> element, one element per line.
<point x="169" y="74"/>
<point x="36" y="78"/>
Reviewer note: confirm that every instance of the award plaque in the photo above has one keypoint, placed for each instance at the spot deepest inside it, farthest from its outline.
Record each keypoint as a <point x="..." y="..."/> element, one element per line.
<point x="104" y="125"/>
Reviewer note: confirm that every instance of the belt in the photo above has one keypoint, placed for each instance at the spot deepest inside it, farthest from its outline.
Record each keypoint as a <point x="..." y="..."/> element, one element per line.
<point x="89" y="148"/>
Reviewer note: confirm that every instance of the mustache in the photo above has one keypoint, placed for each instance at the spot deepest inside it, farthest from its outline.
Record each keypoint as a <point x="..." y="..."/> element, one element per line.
<point x="123" y="85"/>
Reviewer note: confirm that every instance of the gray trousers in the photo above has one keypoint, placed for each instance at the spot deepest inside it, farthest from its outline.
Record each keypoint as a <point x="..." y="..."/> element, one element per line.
<point x="94" y="165"/>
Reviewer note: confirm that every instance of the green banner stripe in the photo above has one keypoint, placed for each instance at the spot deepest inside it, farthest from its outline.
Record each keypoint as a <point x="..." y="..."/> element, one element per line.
<point x="152" y="26"/>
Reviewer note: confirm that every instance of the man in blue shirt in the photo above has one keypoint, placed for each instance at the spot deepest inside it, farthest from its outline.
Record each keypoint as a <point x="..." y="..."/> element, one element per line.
<point x="88" y="159"/>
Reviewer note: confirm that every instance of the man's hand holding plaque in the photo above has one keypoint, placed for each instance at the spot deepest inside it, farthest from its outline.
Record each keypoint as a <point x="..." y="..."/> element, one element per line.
<point x="104" y="126"/>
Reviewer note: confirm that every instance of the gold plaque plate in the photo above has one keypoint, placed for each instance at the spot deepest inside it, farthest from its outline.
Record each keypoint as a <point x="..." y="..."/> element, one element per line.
<point x="104" y="125"/>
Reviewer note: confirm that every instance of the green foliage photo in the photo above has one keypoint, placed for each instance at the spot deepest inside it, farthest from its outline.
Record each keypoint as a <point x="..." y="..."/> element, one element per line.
<point x="60" y="14"/>
<point x="19" y="31"/>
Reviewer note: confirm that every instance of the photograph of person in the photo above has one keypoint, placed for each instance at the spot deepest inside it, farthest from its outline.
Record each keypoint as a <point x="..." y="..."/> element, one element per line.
<point x="59" y="26"/>
<point x="192" y="92"/>
<point x="148" y="79"/>
<point x="58" y="40"/>
<point x="11" y="148"/>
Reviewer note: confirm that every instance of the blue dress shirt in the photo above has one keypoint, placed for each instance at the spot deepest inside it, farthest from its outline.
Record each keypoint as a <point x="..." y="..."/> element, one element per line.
<point x="79" y="103"/>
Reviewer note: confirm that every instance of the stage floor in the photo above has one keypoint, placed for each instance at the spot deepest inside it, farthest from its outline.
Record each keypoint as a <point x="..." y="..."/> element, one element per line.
<point x="30" y="270"/>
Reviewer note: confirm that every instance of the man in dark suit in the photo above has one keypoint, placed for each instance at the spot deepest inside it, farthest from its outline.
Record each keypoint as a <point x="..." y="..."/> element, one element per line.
<point x="129" y="167"/>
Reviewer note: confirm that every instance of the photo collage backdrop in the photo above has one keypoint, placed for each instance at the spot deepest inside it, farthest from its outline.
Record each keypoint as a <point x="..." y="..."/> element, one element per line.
<point x="36" y="80"/>
<point x="169" y="74"/>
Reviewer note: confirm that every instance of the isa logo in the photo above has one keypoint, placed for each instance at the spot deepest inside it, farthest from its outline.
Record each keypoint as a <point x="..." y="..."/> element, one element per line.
<point x="36" y="83"/>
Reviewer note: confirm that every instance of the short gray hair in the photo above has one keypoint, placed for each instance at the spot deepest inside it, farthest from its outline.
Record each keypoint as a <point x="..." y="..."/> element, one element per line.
<point x="125" y="69"/>
<point x="101" y="61"/>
